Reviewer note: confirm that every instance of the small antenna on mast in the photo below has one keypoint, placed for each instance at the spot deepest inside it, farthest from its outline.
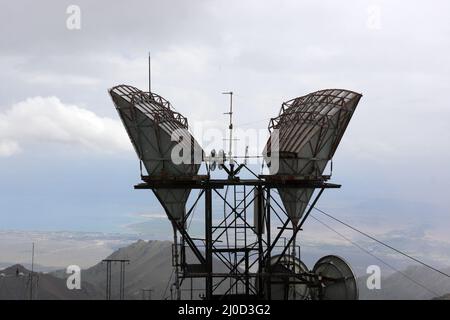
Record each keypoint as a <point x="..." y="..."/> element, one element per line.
<point x="149" y="74"/>
<point x="230" y="127"/>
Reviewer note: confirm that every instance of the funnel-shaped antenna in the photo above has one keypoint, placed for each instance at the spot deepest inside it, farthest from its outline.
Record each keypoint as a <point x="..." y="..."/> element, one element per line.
<point x="155" y="129"/>
<point x="308" y="130"/>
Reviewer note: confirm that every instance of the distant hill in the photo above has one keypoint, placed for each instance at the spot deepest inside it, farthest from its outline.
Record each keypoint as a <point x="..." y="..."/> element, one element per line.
<point x="396" y="286"/>
<point x="443" y="297"/>
<point x="15" y="283"/>
<point x="151" y="268"/>
<point x="37" y="267"/>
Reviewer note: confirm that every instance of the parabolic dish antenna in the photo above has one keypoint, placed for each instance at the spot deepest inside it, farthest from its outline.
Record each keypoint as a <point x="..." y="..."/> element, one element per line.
<point x="289" y="287"/>
<point x="337" y="281"/>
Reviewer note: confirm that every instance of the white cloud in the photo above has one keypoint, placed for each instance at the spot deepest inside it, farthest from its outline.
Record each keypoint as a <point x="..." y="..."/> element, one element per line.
<point x="153" y="215"/>
<point x="48" y="120"/>
<point x="8" y="148"/>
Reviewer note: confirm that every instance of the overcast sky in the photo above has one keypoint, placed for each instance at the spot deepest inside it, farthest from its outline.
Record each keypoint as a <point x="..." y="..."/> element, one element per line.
<point x="67" y="164"/>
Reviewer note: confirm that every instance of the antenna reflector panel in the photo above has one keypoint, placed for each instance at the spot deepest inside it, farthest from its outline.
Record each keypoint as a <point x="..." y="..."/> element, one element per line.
<point x="336" y="278"/>
<point x="288" y="287"/>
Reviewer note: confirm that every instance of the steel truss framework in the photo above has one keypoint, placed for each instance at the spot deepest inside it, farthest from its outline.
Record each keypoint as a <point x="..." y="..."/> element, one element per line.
<point x="248" y="261"/>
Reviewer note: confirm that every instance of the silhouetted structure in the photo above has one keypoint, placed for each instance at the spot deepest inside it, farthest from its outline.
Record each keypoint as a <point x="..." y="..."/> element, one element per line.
<point x="260" y="255"/>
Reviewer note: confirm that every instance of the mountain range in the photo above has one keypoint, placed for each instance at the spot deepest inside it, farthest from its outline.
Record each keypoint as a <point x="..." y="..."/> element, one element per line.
<point x="150" y="267"/>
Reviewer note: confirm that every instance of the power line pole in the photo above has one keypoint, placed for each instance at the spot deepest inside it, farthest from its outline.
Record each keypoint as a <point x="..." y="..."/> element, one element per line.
<point x="121" y="279"/>
<point x="108" y="280"/>
<point x="32" y="271"/>
<point x="148" y="292"/>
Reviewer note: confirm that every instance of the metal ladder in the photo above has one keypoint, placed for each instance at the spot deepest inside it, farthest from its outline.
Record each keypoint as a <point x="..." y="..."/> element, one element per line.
<point x="240" y="231"/>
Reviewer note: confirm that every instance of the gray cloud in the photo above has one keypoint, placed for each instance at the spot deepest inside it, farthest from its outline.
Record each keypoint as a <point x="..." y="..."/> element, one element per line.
<point x="396" y="144"/>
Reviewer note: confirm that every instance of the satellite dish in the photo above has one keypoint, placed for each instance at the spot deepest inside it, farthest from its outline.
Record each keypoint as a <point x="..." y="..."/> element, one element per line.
<point x="213" y="163"/>
<point x="336" y="278"/>
<point x="288" y="288"/>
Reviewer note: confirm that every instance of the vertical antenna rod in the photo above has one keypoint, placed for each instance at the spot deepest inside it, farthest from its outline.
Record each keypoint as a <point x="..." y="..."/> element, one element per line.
<point x="230" y="127"/>
<point x="149" y="74"/>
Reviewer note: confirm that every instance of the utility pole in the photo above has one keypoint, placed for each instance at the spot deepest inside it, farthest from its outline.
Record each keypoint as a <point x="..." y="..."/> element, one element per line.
<point x="121" y="280"/>
<point x="148" y="292"/>
<point x="32" y="271"/>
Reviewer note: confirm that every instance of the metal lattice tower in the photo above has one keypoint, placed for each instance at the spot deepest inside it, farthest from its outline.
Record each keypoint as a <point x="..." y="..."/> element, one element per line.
<point x="260" y="260"/>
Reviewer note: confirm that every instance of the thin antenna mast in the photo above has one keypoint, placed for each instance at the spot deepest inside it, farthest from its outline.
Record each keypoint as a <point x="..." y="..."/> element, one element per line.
<point x="230" y="127"/>
<point x="149" y="74"/>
